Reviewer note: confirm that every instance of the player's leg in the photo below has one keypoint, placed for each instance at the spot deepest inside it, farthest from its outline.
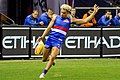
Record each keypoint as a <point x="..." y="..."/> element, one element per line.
<point x="54" y="53"/>
<point x="46" y="53"/>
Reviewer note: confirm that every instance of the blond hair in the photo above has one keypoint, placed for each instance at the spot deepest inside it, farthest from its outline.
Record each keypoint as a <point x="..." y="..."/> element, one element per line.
<point x="66" y="7"/>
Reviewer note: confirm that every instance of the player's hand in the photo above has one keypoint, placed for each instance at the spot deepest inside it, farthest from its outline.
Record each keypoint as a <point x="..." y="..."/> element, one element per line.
<point x="39" y="39"/>
<point x="41" y="23"/>
<point x="96" y="8"/>
<point x="110" y="17"/>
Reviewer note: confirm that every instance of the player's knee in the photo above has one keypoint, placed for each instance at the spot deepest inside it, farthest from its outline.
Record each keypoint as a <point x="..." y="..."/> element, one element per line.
<point x="52" y="58"/>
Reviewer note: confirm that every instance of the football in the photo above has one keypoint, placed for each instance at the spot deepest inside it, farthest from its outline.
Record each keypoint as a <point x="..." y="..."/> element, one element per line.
<point x="39" y="48"/>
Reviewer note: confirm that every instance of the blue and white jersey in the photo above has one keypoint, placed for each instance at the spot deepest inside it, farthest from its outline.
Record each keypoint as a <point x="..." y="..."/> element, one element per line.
<point x="60" y="28"/>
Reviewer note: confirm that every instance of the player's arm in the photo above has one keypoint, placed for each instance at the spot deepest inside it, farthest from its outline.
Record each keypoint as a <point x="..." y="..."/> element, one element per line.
<point x="47" y="29"/>
<point x="81" y="21"/>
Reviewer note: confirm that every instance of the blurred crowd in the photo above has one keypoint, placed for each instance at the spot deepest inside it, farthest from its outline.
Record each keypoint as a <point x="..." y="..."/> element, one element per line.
<point x="106" y="20"/>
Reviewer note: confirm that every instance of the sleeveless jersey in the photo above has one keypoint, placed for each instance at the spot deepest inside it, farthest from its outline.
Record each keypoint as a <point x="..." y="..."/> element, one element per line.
<point x="60" y="28"/>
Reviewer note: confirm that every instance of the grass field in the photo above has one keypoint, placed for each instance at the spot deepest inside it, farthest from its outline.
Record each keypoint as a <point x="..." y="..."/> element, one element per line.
<point x="65" y="69"/>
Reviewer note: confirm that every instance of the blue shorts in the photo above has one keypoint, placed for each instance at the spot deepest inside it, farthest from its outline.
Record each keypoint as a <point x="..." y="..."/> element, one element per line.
<point x="52" y="42"/>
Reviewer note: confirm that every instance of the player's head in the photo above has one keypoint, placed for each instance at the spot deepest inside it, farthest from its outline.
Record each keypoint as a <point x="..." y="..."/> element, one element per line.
<point x="50" y="12"/>
<point x="107" y="13"/>
<point x="65" y="10"/>
<point x="35" y="13"/>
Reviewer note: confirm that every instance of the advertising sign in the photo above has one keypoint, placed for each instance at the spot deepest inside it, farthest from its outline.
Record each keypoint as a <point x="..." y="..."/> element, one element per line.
<point x="81" y="41"/>
<point x="15" y="41"/>
<point x="111" y="41"/>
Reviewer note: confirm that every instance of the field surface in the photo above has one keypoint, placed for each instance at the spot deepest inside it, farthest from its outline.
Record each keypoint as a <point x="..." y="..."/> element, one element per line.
<point x="65" y="69"/>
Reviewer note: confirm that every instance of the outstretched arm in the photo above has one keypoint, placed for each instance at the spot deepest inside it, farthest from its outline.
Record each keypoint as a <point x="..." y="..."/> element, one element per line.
<point x="81" y="21"/>
<point x="47" y="29"/>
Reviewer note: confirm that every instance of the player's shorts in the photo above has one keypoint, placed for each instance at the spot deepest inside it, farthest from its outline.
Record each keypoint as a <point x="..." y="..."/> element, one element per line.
<point x="52" y="42"/>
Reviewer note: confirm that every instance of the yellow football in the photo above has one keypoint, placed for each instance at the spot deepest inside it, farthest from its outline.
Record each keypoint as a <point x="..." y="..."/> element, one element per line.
<point x="39" y="48"/>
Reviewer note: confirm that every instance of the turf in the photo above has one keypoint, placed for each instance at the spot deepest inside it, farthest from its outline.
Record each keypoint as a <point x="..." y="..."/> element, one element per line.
<point x="65" y="69"/>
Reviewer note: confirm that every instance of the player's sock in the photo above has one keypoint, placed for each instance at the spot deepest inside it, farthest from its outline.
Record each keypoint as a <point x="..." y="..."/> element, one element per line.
<point x="45" y="71"/>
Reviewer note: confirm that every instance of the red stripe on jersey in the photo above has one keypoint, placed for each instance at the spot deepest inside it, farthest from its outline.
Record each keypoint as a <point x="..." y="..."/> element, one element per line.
<point x="61" y="28"/>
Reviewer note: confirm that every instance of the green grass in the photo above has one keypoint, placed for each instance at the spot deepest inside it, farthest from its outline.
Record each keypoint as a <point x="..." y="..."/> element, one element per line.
<point x="65" y="69"/>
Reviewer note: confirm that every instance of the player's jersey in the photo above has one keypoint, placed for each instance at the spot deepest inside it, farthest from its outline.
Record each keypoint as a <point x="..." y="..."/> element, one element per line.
<point x="60" y="28"/>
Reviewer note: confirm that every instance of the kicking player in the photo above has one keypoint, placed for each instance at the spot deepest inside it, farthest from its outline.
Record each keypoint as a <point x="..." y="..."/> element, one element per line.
<point x="58" y="27"/>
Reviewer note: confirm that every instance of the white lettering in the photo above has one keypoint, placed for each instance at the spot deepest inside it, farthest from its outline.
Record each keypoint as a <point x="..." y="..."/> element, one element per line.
<point x="7" y="41"/>
<point x="10" y="42"/>
<point x="75" y="41"/>
<point x="68" y="41"/>
<point x="112" y="38"/>
<point x="94" y="41"/>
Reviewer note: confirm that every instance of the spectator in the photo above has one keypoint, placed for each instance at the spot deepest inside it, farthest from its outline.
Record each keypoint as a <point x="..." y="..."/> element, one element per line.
<point x="32" y="19"/>
<point x="91" y="22"/>
<point x="46" y="17"/>
<point x="73" y="15"/>
<point x="106" y="19"/>
<point x="116" y="20"/>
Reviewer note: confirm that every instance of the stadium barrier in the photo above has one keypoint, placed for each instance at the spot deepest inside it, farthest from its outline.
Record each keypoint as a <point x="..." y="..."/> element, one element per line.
<point x="19" y="41"/>
<point x="0" y="42"/>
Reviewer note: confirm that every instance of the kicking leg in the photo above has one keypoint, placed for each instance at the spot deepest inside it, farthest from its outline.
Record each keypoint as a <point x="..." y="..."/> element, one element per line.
<point x="54" y="53"/>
